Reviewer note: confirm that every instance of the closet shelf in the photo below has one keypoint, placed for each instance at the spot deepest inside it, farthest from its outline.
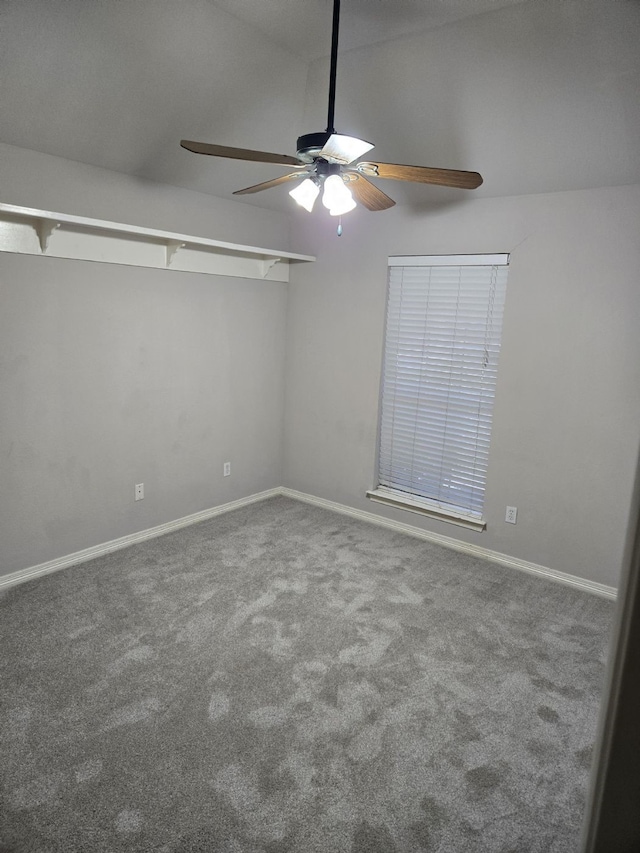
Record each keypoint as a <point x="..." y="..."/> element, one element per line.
<point x="26" y="230"/>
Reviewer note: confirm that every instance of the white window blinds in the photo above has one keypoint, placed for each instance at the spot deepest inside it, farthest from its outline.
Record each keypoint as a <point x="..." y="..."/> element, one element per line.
<point x="444" y="322"/>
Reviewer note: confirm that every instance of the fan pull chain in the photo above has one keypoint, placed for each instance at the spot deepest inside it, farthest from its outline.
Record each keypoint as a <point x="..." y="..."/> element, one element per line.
<point x="340" y="227"/>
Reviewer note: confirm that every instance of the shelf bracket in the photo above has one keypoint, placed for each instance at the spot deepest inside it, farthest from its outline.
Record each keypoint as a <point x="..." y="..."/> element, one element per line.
<point x="267" y="264"/>
<point x="28" y="231"/>
<point x="172" y="246"/>
<point x="44" y="230"/>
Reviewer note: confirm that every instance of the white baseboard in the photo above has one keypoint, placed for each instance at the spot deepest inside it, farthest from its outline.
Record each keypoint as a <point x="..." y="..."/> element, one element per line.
<point x="446" y="541"/>
<point x="132" y="539"/>
<point x="456" y="545"/>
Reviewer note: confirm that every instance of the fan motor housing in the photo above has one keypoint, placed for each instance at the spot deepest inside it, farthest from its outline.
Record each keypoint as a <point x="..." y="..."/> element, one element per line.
<point x="311" y="144"/>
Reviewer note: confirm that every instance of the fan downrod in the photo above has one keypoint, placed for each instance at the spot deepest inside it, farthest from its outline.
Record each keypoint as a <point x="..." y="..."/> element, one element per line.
<point x="311" y="144"/>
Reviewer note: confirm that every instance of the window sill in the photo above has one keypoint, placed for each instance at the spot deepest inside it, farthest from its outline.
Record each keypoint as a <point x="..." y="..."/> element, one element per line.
<point x="394" y="499"/>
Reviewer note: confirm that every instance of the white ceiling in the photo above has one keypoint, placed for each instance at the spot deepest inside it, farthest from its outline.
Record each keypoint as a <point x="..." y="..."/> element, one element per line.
<point x="537" y="95"/>
<point x="304" y="29"/>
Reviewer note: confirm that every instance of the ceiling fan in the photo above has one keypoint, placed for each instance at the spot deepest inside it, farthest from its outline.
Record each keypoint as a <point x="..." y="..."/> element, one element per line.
<point x="327" y="160"/>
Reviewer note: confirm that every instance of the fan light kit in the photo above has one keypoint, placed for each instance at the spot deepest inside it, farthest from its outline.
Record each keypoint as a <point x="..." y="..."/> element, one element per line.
<point x="325" y="161"/>
<point x="306" y="193"/>
<point x="336" y="196"/>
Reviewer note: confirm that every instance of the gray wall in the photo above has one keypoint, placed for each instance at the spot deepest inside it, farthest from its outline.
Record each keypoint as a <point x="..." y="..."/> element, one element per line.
<point x="113" y="375"/>
<point x="118" y="84"/>
<point x="567" y="416"/>
<point x="32" y="179"/>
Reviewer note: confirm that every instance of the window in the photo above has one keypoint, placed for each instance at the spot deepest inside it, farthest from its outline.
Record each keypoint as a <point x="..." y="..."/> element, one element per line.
<point x="444" y="322"/>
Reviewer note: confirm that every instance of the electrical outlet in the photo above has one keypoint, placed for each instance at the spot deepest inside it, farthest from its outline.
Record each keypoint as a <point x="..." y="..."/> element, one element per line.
<point x="226" y="471"/>
<point x="139" y="491"/>
<point x="512" y="513"/>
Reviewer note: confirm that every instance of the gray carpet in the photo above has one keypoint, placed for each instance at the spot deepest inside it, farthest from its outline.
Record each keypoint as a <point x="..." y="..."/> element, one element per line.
<point x="283" y="679"/>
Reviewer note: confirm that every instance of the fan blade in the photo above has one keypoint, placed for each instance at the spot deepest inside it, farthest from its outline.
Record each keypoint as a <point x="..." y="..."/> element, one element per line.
<point x="239" y="153"/>
<point x="421" y="175"/>
<point x="344" y="149"/>
<point x="366" y="193"/>
<point x="266" y="185"/>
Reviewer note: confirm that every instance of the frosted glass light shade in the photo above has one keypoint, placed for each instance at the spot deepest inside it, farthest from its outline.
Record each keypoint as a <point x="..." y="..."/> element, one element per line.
<point x="305" y="194"/>
<point x="336" y="197"/>
<point x="343" y="208"/>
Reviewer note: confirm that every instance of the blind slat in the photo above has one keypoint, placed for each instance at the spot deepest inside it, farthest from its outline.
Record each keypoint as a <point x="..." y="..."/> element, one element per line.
<point x="442" y="345"/>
